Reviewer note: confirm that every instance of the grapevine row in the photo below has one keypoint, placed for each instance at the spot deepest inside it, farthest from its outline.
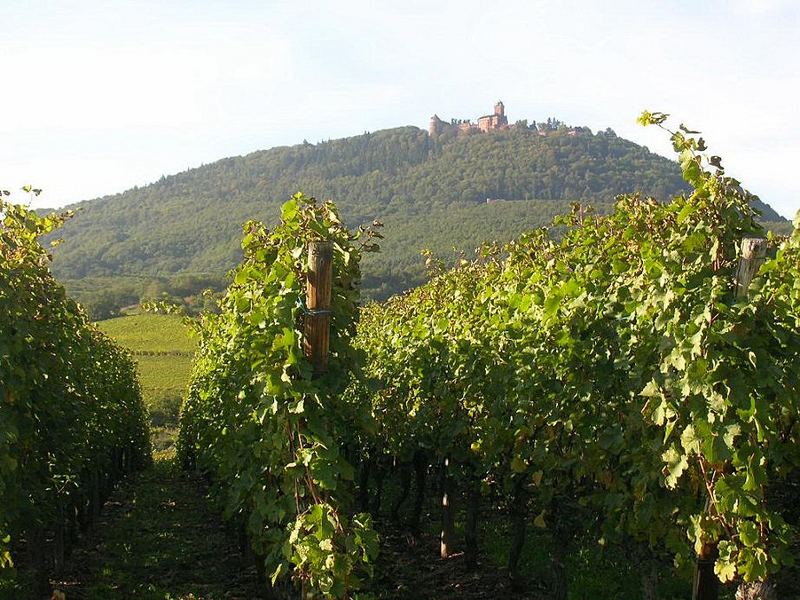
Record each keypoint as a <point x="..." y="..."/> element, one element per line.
<point x="610" y="381"/>
<point x="72" y="421"/>
<point x="268" y="432"/>
<point x="606" y="380"/>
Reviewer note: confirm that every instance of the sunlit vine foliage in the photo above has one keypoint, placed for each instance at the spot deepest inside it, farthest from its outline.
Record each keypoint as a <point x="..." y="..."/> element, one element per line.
<point x="265" y="430"/>
<point x="610" y="374"/>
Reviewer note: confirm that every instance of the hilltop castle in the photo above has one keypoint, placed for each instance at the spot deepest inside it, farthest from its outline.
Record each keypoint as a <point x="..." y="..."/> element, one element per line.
<point x="486" y="123"/>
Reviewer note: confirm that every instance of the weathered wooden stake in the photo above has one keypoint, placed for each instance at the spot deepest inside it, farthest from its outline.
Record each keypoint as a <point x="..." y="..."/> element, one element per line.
<point x="420" y="475"/>
<point x="706" y="584"/>
<point x="471" y="521"/>
<point x="754" y="252"/>
<point x="448" y="529"/>
<point x="317" y="323"/>
<point x="519" y="514"/>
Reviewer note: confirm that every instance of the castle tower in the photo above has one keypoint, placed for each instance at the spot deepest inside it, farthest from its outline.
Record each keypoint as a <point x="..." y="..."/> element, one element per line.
<point x="436" y="126"/>
<point x="499" y="109"/>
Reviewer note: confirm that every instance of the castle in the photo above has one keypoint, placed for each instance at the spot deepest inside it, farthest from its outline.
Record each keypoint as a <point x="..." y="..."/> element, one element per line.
<point x="486" y="123"/>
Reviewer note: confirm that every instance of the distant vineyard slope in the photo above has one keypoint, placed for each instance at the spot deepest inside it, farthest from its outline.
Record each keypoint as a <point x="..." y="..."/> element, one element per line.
<point x="163" y="352"/>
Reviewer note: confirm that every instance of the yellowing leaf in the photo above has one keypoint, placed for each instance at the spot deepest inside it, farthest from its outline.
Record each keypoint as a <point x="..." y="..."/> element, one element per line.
<point x="726" y="571"/>
<point x="676" y="465"/>
<point x="518" y="465"/>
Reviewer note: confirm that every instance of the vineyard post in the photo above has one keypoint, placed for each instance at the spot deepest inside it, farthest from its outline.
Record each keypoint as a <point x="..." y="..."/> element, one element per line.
<point x="317" y="320"/>
<point x="753" y="253"/>
<point x="318" y="303"/>
<point x="448" y="533"/>
<point x="706" y="584"/>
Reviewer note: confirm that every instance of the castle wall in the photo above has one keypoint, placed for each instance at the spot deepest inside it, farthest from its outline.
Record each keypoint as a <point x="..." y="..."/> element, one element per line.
<point x="485" y="124"/>
<point x="492" y="122"/>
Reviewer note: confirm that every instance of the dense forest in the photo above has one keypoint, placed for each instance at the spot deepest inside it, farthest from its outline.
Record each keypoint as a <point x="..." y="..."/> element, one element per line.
<point x="429" y="192"/>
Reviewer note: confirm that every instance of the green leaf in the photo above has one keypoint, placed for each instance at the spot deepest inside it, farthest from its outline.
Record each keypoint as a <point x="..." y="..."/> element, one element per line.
<point x="676" y="465"/>
<point x="289" y="211"/>
<point x="725" y="565"/>
<point x="748" y="533"/>
<point x="651" y="390"/>
<point x="690" y="440"/>
<point x="753" y="564"/>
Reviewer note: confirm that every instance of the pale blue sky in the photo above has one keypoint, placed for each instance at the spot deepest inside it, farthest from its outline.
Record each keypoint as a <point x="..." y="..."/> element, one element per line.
<point x="100" y="96"/>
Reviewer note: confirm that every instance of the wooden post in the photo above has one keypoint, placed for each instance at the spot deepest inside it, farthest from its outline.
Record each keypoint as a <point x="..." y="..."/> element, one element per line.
<point x="706" y="584"/>
<point x="317" y="323"/>
<point x="754" y="252"/>
<point x="448" y="534"/>
<point x="420" y="476"/>
<point x="757" y="590"/>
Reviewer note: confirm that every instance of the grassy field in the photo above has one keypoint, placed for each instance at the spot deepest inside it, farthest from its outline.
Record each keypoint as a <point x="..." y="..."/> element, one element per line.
<point x="163" y="349"/>
<point x="150" y="333"/>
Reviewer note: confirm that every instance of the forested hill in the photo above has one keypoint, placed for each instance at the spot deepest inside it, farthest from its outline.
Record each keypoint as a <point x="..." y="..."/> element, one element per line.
<point x="429" y="192"/>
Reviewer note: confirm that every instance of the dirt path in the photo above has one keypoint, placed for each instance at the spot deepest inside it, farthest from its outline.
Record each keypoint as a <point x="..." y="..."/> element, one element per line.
<point x="410" y="568"/>
<point x="158" y="538"/>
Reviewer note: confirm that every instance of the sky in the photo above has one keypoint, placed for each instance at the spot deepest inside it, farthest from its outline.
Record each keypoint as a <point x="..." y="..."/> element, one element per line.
<point x="98" y="97"/>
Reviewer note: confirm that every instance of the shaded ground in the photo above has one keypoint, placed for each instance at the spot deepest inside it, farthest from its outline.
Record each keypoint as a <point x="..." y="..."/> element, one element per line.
<point x="409" y="568"/>
<point x="158" y="538"/>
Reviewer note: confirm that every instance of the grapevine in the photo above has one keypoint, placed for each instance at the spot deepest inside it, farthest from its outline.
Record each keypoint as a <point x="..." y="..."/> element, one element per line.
<point x="610" y="378"/>
<point x="72" y="421"/>
<point x="268" y="432"/>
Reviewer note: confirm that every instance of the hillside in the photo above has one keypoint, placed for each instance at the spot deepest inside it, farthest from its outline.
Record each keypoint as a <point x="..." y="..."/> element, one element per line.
<point x="430" y="192"/>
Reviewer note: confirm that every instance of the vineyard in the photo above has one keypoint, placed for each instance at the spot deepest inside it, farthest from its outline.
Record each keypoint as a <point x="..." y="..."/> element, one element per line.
<point x="623" y="385"/>
<point x="624" y="380"/>
<point x="72" y="422"/>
